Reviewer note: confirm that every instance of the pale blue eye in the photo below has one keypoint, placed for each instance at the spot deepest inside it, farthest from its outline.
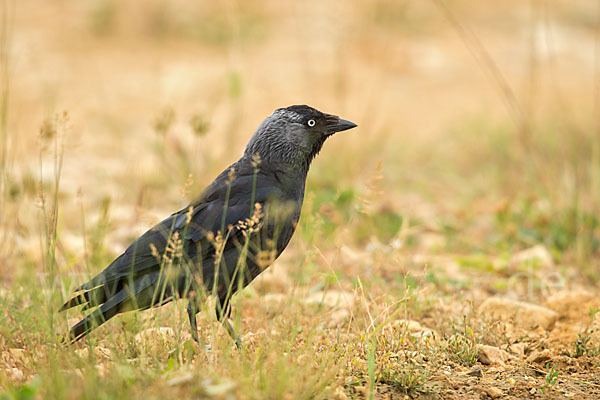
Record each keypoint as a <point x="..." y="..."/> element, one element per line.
<point x="311" y="122"/>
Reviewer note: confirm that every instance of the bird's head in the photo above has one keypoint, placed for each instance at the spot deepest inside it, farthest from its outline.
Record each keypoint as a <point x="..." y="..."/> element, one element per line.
<point x="294" y="135"/>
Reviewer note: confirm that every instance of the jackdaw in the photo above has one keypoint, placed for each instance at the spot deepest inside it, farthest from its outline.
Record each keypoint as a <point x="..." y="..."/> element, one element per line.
<point x="224" y="238"/>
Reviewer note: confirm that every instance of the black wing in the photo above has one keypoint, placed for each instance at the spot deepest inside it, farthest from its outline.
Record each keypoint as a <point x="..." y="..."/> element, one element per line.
<point x="131" y="280"/>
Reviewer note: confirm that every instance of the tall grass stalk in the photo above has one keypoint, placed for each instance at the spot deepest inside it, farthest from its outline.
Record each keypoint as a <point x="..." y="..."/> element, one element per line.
<point x="50" y="213"/>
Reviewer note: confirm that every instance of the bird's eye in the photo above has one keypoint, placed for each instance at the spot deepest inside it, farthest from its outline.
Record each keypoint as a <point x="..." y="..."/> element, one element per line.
<point x="311" y="122"/>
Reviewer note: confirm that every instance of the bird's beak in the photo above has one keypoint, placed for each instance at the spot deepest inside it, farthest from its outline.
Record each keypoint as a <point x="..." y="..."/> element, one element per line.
<point x="340" y="125"/>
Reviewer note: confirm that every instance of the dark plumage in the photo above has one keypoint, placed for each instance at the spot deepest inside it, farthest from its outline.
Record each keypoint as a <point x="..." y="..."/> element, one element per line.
<point x="226" y="237"/>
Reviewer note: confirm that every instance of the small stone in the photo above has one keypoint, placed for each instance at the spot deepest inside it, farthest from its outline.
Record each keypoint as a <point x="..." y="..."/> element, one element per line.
<point x="354" y="255"/>
<point x="494" y="392"/>
<point x="538" y="255"/>
<point x="333" y="298"/>
<point x="219" y="389"/>
<point x="426" y="335"/>
<point x="101" y="369"/>
<point x="432" y="240"/>
<point x="338" y="318"/>
<point x="83" y="352"/>
<point x="567" y="303"/>
<point x="273" y="280"/>
<point x="15" y="374"/>
<point x="99" y="352"/>
<point x="408" y="325"/>
<point x="339" y="394"/>
<point x="518" y="349"/>
<point x="489" y="355"/>
<point x="103" y="352"/>
<point x="415" y="329"/>
<point x="273" y="299"/>
<point x="302" y="359"/>
<point x="361" y="390"/>
<point x="539" y="356"/>
<point x="476" y="371"/>
<point x="525" y="315"/>
<point x="180" y="379"/>
<point x="18" y="354"/>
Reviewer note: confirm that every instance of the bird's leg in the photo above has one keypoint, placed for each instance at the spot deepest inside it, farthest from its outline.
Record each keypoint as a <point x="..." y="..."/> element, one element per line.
<point x="223" y="310"/>
<point x="231" y="331"/>
<point x="192" y="310"/>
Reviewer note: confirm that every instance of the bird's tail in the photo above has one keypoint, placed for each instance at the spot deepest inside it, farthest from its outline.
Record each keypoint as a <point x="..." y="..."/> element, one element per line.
<point x="92" y="321"/>
<point x="139" y="296"/>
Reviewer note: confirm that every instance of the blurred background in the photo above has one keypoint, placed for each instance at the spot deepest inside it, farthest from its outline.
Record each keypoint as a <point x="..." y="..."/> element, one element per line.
<point x="477" y="147"/>
<point x="478" y="123"/>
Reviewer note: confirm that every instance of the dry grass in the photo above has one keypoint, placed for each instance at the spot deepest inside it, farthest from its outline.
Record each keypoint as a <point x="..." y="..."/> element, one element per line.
<point x="478" y="138"/>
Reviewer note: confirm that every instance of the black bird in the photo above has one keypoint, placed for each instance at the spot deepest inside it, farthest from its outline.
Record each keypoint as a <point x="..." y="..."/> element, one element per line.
<point x="224" y="238"/>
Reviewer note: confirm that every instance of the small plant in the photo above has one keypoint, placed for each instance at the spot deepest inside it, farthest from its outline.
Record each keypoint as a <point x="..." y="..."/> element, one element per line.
<point x="164" y="121"/>
<point x="103" y="17"/>
<point x="461" y="346"/>
<point x="551" y="377"/>
<point x="409" y="376"/>
<point x="199" y="125"/>
<point x="583" y="346"/>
